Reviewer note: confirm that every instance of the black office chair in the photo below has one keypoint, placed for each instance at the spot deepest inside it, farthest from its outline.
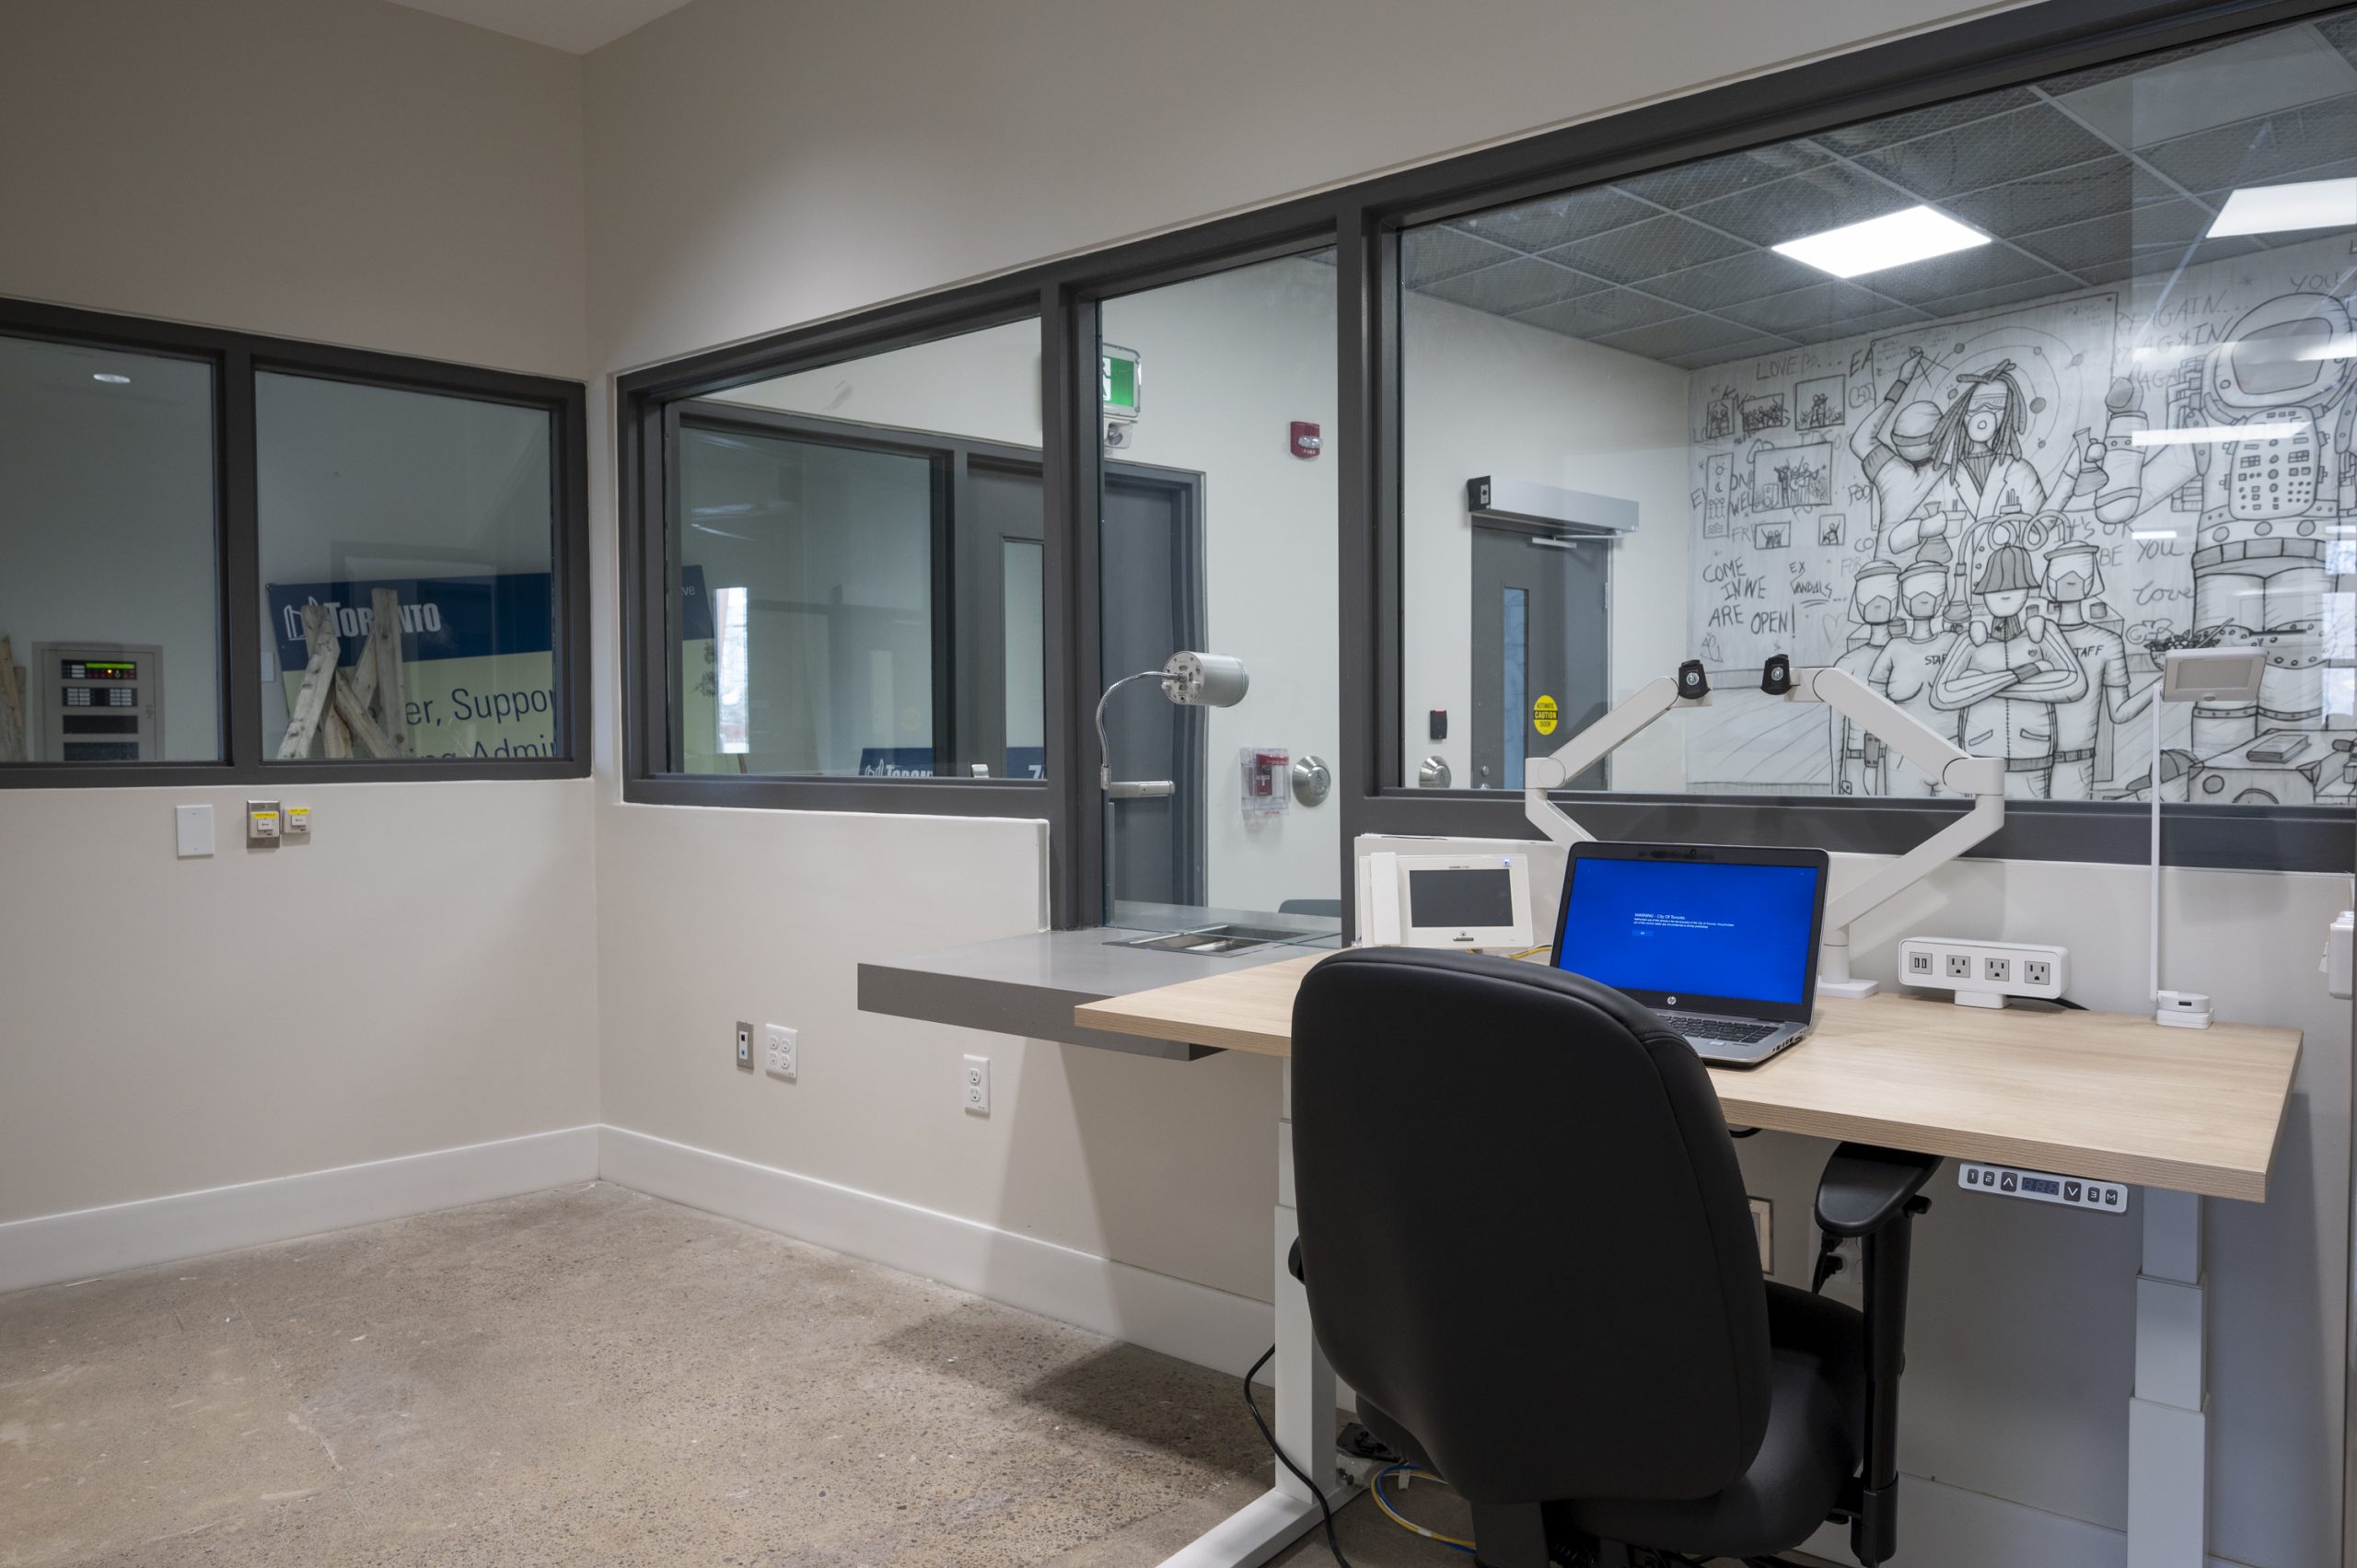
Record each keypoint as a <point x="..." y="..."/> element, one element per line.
<point x="1527" y="1247"/>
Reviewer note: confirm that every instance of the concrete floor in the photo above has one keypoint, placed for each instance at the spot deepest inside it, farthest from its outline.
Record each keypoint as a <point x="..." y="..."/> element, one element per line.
<point x="589" y="1376"/>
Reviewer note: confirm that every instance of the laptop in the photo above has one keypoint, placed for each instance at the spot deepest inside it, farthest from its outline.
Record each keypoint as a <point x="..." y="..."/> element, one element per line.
<point x="1719" y="940"/>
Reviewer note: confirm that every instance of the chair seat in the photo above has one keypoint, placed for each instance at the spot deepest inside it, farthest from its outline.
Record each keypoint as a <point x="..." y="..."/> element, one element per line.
<point x="1815" y="1430"/>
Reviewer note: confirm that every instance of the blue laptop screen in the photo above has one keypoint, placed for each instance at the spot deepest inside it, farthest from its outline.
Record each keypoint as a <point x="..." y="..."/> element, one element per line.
<point x="1686" y="926"/>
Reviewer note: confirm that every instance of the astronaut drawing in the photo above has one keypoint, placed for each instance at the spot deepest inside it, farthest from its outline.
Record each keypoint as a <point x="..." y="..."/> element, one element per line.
<point x="1861" y="762"/>
<point x="2007" y="674"/>
<point x="2273" y="474"/>
<point x="2074" y="584"/>
<point x="1893" y="446"/>
<point x="1907" y="665"/>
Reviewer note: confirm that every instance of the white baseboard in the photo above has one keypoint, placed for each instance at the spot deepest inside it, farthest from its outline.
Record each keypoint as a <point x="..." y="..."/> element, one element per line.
<point x="1194" y="1322"/>
<point x="1947" y="1526"/>
<point x="53" y="1248"/>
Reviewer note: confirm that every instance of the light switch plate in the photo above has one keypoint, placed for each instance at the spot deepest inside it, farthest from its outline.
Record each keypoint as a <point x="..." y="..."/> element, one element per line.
<point x="192" y="829"/>
<point x="298" y="822"/>
<point x="263" y="820"/>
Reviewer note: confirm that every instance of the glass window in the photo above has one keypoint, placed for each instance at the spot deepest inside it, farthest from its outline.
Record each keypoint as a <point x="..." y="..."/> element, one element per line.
<point x="1991" y="404"/>
<point x="406" y="540"/>
<point x="1216" y="535"/>
<point x="860" y="553"/>
<point x="110" y="635"/>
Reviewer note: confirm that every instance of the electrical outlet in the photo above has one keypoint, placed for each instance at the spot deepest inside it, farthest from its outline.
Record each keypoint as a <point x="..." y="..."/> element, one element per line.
<point x="744" y="1045"/>
<point x="974" y="1087"/>
<point x="1984" y="974"/>
<point x="1763" y="1231"/>
<point x="778" y="1048"/>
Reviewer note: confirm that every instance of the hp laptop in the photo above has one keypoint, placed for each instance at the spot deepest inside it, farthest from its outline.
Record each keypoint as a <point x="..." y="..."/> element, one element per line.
<point x="1720" y="941"/>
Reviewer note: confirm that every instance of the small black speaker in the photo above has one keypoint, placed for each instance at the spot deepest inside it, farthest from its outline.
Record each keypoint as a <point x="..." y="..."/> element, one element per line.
<point x="1776" y="675"/>
<point x="1692" y="681"/>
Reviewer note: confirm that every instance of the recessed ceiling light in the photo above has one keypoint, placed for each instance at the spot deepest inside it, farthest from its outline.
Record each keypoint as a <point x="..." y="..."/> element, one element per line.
<point x="1892" y="240"/>
<point x="110" y="379"/>
<point x="2280" y="209"/>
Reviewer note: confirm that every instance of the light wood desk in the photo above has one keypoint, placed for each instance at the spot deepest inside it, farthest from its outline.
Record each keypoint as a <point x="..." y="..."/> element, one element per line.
<point x="2108" y="1094"/>
<point x="2184" y="1114"/>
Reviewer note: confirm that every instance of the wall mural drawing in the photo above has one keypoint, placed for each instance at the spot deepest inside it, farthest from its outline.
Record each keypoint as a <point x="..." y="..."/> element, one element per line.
<point x="2034" y="503"/>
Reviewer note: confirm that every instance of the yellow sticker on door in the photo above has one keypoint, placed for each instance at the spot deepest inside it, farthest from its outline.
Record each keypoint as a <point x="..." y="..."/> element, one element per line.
<point x="1542" y="715"/>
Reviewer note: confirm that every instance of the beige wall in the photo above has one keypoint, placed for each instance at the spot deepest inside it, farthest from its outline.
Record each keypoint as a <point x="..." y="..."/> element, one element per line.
<point x="746" y="174"/>
<point x="420" y="976"/>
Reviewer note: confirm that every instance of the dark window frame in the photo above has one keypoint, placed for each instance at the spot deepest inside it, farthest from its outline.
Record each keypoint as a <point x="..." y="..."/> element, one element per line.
<point x="246" y="753"/>
<point x="1364" y="220"/>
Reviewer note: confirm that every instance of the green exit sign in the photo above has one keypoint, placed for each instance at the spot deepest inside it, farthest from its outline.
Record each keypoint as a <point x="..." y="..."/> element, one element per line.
<point x="1117" y="369"/>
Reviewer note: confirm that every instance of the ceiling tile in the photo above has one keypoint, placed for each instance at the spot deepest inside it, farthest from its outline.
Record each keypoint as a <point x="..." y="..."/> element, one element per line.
<point x="1807" y="202"/>
<point x="2261" y="152"/>
<point x="1513" y="286"/>
<point x="1748" y="276"/>
<point x="2058" y="196"/>
<point x="1750" y="348"/>
<point x="1594" y="315"/>
<point x="1850" y="140"/>
<point x="2004" y="293"/>
<point x="1829" y="301"/>
<point x="1962" y="271"/>
<point x="2157" y="269"/>
<point x="2117" y="237"/>
<point x="1647" y="249"/>
<point x="1988" y="152"/>
<point x="1894" y="316"/>
<point x="1542" y="225"/>
<point x="1683" y="335"/>
<point x="1688" y="183"/>
<point x="1442" y="251"/>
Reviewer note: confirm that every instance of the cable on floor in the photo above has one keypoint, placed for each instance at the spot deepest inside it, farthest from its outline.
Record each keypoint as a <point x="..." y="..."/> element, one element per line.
<point x="1383" y="1501"/>
<point x="1333" y="1543"/>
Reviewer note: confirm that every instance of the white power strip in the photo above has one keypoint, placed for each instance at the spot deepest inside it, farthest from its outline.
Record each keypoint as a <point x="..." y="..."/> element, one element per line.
<point x="2043" y="1187"/>
<point x="1983" y="974"/>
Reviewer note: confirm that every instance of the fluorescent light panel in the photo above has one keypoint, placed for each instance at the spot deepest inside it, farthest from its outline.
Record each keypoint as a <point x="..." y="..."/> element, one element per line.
<point x="2282" y="209"/>
<point x="2193" y="436"/>
<point x="1893" y="239"/>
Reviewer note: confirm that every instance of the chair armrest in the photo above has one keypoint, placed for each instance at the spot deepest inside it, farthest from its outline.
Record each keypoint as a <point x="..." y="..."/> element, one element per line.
<point x="1864" y="1187"/>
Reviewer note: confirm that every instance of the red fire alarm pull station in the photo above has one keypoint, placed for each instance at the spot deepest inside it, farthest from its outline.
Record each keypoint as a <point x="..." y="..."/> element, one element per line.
<point x="1307" y="442"/>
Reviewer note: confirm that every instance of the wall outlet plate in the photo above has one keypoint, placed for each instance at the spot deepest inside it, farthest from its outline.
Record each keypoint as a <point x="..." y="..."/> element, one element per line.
<point x="2043" y="1187"/>
<point x="744" y="1046"/>
<point x="779" y="1048"/>
<point x="1983" y="974"/>
<point x="974" y="1085"/>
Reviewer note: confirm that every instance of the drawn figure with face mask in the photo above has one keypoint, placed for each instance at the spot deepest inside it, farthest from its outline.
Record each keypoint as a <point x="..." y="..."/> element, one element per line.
<point x="2006" y="676"/>
<point x="1861" y="762"/>
<point x="2275" y="402"/>
<point x="1907" y="665"/>
<point x="2073" y="580"/>
<point x="1893" y="445"/>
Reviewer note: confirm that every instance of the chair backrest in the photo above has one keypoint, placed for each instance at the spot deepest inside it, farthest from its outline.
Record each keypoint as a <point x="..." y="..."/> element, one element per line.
<point x="1522" y="1228"/>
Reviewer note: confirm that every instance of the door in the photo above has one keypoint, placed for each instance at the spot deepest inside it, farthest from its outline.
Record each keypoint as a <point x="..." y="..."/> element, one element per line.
<point x="1541" y="652"/>
<point x="1150" y="562"/>
<point x="1002" y="603"/>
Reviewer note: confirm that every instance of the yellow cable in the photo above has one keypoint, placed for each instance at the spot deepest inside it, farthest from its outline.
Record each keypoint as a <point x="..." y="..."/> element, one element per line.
<point x="1400" y="1519"/>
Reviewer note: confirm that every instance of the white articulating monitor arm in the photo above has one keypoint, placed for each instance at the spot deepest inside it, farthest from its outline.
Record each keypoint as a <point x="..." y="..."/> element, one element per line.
<point x="1957" y="770"/>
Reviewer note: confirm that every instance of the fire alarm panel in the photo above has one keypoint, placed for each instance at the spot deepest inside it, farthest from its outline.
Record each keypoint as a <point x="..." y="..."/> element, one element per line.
<point x="100" y="701"/>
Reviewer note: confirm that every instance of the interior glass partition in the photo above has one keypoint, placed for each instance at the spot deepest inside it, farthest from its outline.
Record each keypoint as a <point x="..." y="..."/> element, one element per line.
<point x="1991" y="404"/>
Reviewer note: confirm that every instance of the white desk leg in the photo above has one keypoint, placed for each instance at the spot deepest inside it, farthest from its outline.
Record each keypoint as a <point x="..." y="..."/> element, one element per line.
<point x="2167" y="1447"/>
<point x="1304" y="1415"/>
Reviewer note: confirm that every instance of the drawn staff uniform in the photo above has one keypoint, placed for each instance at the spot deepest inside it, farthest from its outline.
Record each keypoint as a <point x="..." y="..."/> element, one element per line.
<point x="2008" y="680"/>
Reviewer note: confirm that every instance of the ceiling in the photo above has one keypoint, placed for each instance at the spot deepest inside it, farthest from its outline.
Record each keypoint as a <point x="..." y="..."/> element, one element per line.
<point x="2084" y="180"/>
<point x="574" y="26"/>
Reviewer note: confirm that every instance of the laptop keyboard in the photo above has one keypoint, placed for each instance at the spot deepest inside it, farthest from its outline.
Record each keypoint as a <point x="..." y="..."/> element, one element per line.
<point x="1726" y="1030"/>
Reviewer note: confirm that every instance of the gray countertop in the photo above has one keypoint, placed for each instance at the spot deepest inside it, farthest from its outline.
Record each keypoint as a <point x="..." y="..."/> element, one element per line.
<point x="1029" y="985"/>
